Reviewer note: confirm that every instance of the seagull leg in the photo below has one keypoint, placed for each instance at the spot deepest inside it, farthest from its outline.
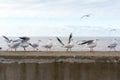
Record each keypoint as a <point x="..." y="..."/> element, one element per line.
<point x="37" y="49"/>
<point x="91" y="49"/>
<point x="110" y="49"/>
<point x="67" y="50"/>
<point x="10" y="49"/>
<point x="24" y="48"/>
<point x="70" y="49"/>
<point x="34" y="49"/>
<point x="15" y="49"/>
<point x="49" y="49"/>
<point x="114" y="49"/>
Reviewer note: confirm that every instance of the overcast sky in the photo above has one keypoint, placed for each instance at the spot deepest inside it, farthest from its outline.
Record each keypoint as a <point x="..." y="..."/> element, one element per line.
<point x="59" y="17"/>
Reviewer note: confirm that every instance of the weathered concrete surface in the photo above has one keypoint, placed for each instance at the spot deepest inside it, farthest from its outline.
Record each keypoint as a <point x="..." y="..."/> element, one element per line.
<point x="59" y="65"/>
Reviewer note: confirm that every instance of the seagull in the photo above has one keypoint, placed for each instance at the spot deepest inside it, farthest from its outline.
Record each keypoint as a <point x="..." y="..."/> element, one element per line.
<point x="69" y="45"/>
<point x="12" y="44"/>
<point x="113" y="29"/>
<point x="48" y="45"/>
<point x="87" y="15"/>
<point x="24" y="42"/>
<point x="35" y="45"/>
<point x="90" y="43"/>
<point x="113" y="45"/>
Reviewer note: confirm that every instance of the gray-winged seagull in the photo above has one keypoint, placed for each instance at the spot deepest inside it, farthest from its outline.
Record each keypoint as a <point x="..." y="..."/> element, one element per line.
<point x="113" y="45"/>
<point x="35" y="45"/>
<point x="69" y="45"/>
<point x="90" y="43"/>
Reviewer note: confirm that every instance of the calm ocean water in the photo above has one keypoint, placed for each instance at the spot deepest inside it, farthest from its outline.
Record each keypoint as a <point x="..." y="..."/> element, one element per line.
<point x="101" y="44"/>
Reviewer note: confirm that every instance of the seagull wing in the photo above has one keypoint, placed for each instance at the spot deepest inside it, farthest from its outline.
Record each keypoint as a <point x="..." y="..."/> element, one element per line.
<point x="60" y="41"/>
<point x="30" y="44"/>
<point x="70" y="37"/>
<point x="87" y="42"/>
<point x="6" y="38"/>
<point x="17" y="40"/>
<point x="25" y="38"/>
<point x="87" y="15"/>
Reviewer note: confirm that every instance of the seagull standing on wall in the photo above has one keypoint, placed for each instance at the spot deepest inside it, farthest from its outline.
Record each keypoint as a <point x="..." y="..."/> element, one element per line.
<point x="69" y="45"/>
<point x="12" y="44"/>
<point x="35" y="45"/>
<point x="113" y="45"/>
<point x="48" y="45"/>
<point x="90" y="44"/>
<point x="24" y="42"/>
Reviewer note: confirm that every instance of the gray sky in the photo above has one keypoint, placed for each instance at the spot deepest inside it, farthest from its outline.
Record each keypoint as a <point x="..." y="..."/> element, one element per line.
<point x="59" y="17"/>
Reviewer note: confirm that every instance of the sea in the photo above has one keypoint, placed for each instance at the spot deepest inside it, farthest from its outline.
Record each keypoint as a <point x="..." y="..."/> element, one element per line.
<point x="102" y="44"/>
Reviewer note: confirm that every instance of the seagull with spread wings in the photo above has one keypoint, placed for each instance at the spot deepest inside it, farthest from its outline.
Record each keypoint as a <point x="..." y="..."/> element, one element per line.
<point x="12" y="44"/>
<point x="87" y="15"/>
<point x="90" y="44"/>
<point x="24" y="42"/>
<point x="69" y="45"/>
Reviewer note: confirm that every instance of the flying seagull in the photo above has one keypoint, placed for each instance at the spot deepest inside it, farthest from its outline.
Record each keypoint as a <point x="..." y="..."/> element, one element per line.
<point x="90" y="44"/>
<point x="113" y="45"/>
<point x="87" y="15"/>
<point x="48" y="45"/>
<point x="69" y="45"/>
<point x="35" y="45"/>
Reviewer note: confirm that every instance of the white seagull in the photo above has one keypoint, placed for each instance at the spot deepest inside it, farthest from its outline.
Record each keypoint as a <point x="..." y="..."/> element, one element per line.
<point x="113" y="45"/>
<point x="35" y="45"/>
<point x="24" y="42"/>
<point x="12" y="44"/>
<point x="69" y="45"/>
<point x="48" y="45"/>
<point x="90" y="43"/>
